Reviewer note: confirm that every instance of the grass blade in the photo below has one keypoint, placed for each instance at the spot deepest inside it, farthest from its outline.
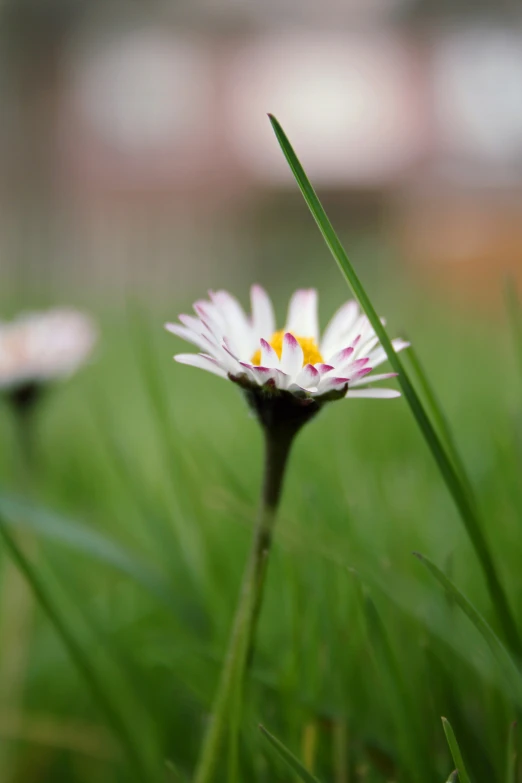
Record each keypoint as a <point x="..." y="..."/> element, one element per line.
<point x="458" y="489"/>
<point x="511" y="760"/>
<point x="455" y="751"/>
<point x="143" y="768"/>
<point x="507" y="664"/>
<point x="87" y="541"/>
<point x="453" y="777"/>
<point x="289" y="758"/>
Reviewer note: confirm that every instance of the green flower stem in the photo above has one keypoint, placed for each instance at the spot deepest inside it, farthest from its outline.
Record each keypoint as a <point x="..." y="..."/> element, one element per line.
<point x="278" y="442"/>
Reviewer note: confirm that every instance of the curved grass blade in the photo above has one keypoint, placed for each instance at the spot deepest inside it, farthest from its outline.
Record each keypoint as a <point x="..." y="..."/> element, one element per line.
<point x="85" y="540"/>
<point x="458" y="489"/>
<point x="511" y="759"/>
<point x="455" y="751"/>
<point x="453" y="777"/>
<point x="508" y="666"/>
<point x="289" y="758"/>
<point x="143" y="769"/>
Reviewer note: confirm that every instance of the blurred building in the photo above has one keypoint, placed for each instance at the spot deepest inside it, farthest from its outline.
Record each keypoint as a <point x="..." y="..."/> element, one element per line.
<point x="126" y="126"/>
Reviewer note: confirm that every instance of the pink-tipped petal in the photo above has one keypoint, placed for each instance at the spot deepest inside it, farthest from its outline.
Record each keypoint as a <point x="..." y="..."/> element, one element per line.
<point x="331" y="384"/>
<point x="360" y="374"/>
<point x="324" y="368"/>
<point x="367" y="347"/>
<point x="291" y="356"/>
<point x="351" y="368"/>
<point x="381" y="394"/>
<point x="269" y="357"/>
<point x="302" y="314"/>
<point x="263" y="318"/>
<point x="339" y="325"/>
<point x="341" y="357"/>
<point x="202" y="361"/>
<point x="309" y="377"/>
<point x="264" y="375"/>
<point x="385" y="376"/>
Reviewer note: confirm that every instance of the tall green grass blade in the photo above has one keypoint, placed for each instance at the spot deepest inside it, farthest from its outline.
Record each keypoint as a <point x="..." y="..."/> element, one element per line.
<point x="511" y="756"/>
<point x="126" y="725"/>
<point x="289" y="758"/>
<point x="465" y="504"/>
<point x="455" y="751"/>
<point x="509" y="668"/>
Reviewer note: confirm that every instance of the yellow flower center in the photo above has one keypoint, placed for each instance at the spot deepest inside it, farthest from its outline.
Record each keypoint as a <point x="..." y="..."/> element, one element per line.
<point x="311" y="353"/>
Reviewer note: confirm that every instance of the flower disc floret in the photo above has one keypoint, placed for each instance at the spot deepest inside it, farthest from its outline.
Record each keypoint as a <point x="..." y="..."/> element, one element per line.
<point x="311" y="352"/>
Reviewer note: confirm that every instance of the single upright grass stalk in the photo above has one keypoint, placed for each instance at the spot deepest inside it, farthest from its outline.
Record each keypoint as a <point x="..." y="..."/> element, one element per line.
<point x="281" y="419"/>
<point x="457" y="485"/>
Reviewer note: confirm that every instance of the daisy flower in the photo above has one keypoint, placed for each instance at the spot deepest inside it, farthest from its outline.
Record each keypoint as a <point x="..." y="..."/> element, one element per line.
<point x="36" y="348"/>
<point x="296" y="359"/>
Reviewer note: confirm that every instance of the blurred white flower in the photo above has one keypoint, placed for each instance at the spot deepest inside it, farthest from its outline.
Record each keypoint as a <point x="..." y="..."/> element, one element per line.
<point x="39" y="347"/>
<point x="295" y="359"/>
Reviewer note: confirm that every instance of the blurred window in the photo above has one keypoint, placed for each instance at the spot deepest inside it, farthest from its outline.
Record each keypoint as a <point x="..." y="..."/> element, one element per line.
<point x="350" y="105"/>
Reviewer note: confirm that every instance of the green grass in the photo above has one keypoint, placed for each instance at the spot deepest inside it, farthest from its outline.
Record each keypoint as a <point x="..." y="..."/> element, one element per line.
<point x="148" y="474"/>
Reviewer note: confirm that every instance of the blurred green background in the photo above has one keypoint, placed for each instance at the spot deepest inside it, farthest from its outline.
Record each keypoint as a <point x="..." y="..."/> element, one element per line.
<point x="138" y="170"/>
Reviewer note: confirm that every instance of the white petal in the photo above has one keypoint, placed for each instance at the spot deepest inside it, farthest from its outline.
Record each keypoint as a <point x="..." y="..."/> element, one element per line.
<point x="341" y="357"/>
<point x="331" y="383"/>
<point x="210" y="316"/>
<point x="191" y="322"/>
<point x="374" y="378"/>
<point x="269" y="357"/>
<point x="202" y="361"/>
<point x="188" y="335"/>
<point x="379" y="355"/>
<point x="282" y="380"/>
<point x="362" y="373"/>
<point x="302" y="314"/>
<point x="291" y="356"/>
<point x="350" y="368"/>
<point x="324" y="368"/>
<point x="237" y="326"/>
<point x="365" y="348"/>
<point x="231" y="360"/>
<point x="265" y="375"/>
<point x="383" y="394"/>
<point x="308" y="377"/>
<point x="340" y="323"/>
<point x="263" y="319"/>
<point x="354" y="335"/>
